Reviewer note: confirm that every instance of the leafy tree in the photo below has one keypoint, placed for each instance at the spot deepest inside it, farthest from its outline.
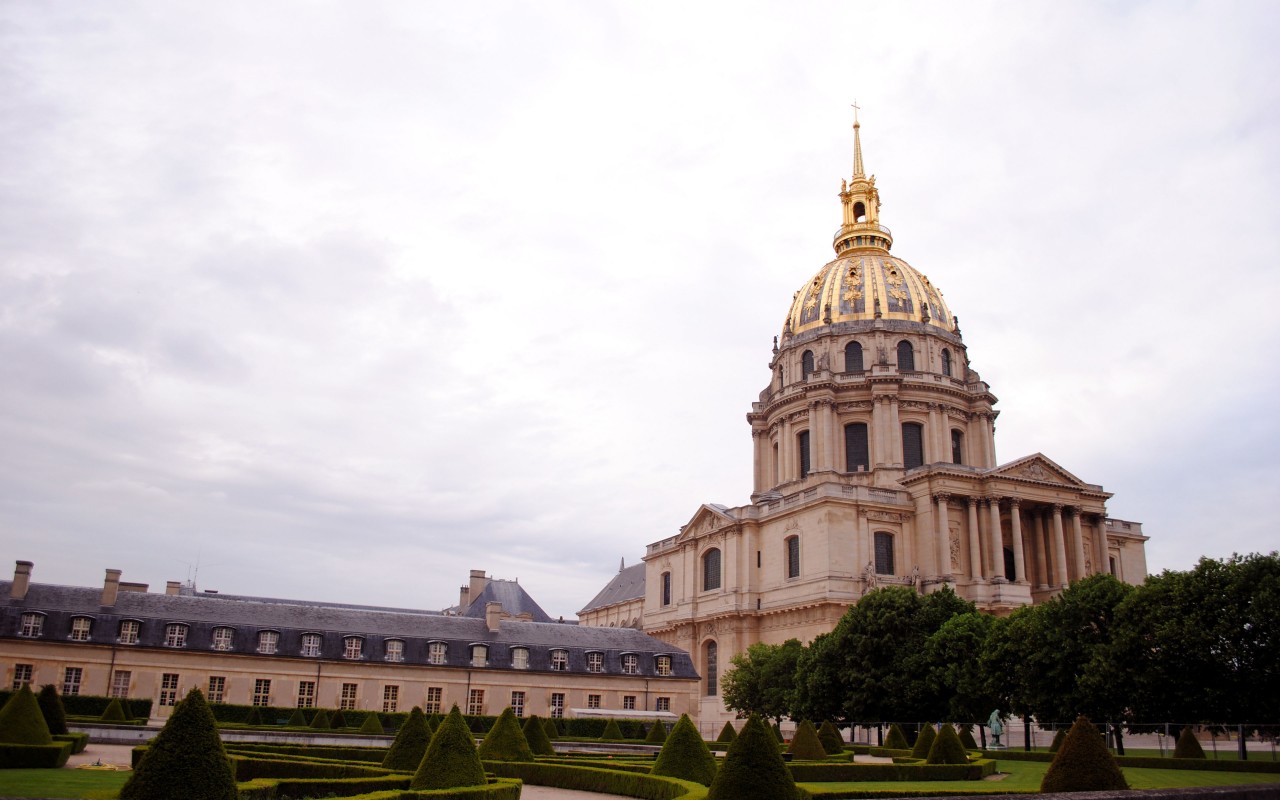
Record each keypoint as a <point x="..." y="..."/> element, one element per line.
<point x="1083" y="763"/>
<point x="505" y="740"/>
<point x="535" y="733"/>
<point x="55" y="716"/>
<point x="685" y="755"/>
<point x="947" y="748"/>
<point x="953" y="666"/>
<point x="410" y="744"/>
<point x="761" y="679"/>
<point x="728" y="733"/>
<point x="451" y="758"/>
<point x="1188" y="745"/>
<point x="753" y="768"/>
<point x="21" y="721"/>
<point x="831" y="739"/>
<point x="186" y="760"/>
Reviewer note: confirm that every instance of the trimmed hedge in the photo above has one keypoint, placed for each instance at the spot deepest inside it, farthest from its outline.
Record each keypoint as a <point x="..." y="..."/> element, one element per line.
<point x="896" y="740"/>
<point x="372" y="725"/>
<point x="924" y="740"/>
<point x="657" y="733"/>
<point x="1058" y="736"/>
<point x="34" y="756"/>
<point x="249" y="768"/>
<point x="728" y="733"/>
<point x="338" y="719"/>
<point x="79" y="741"/>
<point x="805" y="744"/>
<point x="1083" y="763"/>
<point x="612" y="732"/>
<point x="451" y="758"/>
<point x="410" y="745"/>
<point x="364" y="755"/>
<point x="966" y="737"/>
<point x="753" y="768"/>
<point x="842" y="773"/>
<point x="947" y="748"/>
<point x="186" y="760"/>
<point x="55" y="716"/>
<point x="1188" y="745"/>
<point x="114" y="712"/>
<point x="831" y="739"/>
<point x="320" y="720"/>
<point x="272" y="788"/>
<point x="1152" y="762"/>
<point x="592" y="779"/>
<point x="685" y="756"/>
<point x="505" y="742"/>
<point x="91" y="706"/>
<point x="22" y="722"/>
<point x="535" y="733"/>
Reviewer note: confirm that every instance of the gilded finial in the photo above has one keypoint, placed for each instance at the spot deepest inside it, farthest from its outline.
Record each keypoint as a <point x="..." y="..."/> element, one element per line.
<point x="857" y="145"/>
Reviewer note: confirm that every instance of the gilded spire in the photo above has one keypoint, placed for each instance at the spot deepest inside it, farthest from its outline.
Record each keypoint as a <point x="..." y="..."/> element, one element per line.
<point x="857" y="145"/>
<point x="860" y="227"/>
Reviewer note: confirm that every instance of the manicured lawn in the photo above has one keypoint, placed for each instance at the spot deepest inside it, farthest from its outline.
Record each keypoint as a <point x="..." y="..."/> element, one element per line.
<point x="70" y="783"/>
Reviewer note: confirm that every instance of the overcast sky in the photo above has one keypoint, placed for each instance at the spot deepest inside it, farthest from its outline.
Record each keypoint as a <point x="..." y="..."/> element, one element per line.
<point x="341" y="300"/>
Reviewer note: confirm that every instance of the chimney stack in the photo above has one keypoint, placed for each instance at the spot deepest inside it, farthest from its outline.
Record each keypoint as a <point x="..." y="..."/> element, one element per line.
<point x="111" y="587"/>
<point x="478" y="582"/>
<point x="172" y="587"/>
<point x="21" y="580"/>
<point x="493" y="616"/>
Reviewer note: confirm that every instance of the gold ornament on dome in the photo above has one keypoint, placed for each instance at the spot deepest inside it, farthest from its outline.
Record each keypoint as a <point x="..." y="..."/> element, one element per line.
<point x="897" y="293"/>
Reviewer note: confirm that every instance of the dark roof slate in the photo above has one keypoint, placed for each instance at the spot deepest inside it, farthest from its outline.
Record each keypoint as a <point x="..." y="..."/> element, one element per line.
<point x="514" y="599"/>
<point x="628" y="584"/>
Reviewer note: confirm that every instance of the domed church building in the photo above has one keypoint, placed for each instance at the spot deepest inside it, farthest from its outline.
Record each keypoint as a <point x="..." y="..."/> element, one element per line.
<point x="875" y="465"/>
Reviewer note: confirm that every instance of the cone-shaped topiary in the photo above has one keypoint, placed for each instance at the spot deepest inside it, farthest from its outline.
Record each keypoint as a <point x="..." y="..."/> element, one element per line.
<point x="451" y="758"/>
<point x="657" y="733"/>
<point x="611" y="731"/>
<point x="947" y="748"/>
<point x="410" y="745"/>
<point x="552" y="729"/>
<point x="186" y="760"/>
<point x="1188" y="745"/>
<point x="321" y="719"/>
<point x="21" y="721"/>
<point x="831" y="739"/>
<point x="535" y="733"/>
<point x="777" y="734"/>
<point x="728" y="733"/>
<point x="1058" y="736"/>
<point x="1083" y="763"/>
<point x="505" y="740"/>
<point x="805" y="745"/>
<point x="298" y="719"/>
<point x="896" y="740"/>
<point x="753" y="768"/>
<point x="372" y="724"/>
<point x="254" y="718"/>
<point x="337" y="720"/>
<point x="924" y="741"/>
<point x="55" y="716"/>
<point x="113" y="712"/>
<point x="684" y="755"/>
<point x="966" y="737"/>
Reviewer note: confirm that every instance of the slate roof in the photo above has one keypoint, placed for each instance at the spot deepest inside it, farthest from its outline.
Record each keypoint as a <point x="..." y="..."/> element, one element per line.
<point x="515" y="601"/>
<point x="628" y="584"/>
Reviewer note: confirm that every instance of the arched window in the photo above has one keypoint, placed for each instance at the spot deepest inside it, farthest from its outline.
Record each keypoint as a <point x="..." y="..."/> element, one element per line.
<point x="957" y="447"/>
<point x="853" y="357"/>
<point x="859" y="212"/>
<point x="802" y="446"/>
<point x="857" y="454"/>
<point x="793" y="556"/>
<point x="806" y="364"/>
<point x="912" y="445"/>
<point x="906" y="357"/>
<point x="711" y="570"/>
<point x="1010" y="565"/>
<point x="884" y="553"/>
<point x="946" y="362"/>
<point x="710" y="650"/>
<point x="666" y="588"/>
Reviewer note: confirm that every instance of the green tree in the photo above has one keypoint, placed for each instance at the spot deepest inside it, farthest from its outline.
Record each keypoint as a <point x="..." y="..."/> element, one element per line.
<point x="831" y="739"/>
<point x="55" y="716"/>
<point x="896" y="739"/>
<point x="761" y="680"/>
<point x="505" y="740"/>
<point x="321" y="719"/>
<point x="947" y="748"/>
<point x="372" y="725"/>
<point x="953" y="666"/>
<point x="924" y="741"/>
<point x="186" y="760"/>
<point x="410" y="744"/>
<point x="685" y="755"/>
<point x="114" y="712"/>
<point x="657" y="733"/>
<point x="1188" y="745"/>
<point x="753" y="768"/>
<point x="535" y="733"/>
<point x="1083" y="763"/>
<point x="805" y="745"/>
<point x="451" y="759"/>
<point x="21" y="721"/>
<point x="611" y="731"/>
<point x="728" y="733"/>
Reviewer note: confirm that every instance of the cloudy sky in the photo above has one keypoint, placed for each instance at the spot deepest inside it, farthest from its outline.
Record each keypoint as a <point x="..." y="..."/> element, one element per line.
<point x="340" y="300"/>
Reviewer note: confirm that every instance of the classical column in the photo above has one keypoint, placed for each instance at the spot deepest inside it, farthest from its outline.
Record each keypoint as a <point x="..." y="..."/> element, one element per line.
<point x="1038" y="534"/>
<point x="834" y="439"/>
<point x="879" y="439"/>
<point x="943" y="533"/>
<point x="975" y="540"/>
<point x="786" y="452"/>
<point x="1077" y="541"/>
<point x="862" y="547"/>
<point x="989" y="438"/>
<point x="895" y="433"/>
<point x="1015" y="522"/>
<point x="935" y="453"/>
<point x="997" y="540"/>
<point x="1059" y="548"/>
<point x="1100" y="544"/>
<point x="758" y="441"/>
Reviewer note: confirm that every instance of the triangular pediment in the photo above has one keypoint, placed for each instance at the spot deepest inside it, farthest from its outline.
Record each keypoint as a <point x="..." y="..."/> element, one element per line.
<point x="1036" y="467"/>
<point x="708" y="518"/>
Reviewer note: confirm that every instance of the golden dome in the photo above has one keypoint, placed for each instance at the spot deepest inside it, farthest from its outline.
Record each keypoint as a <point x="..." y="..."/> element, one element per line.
<point x="867" y="285"/>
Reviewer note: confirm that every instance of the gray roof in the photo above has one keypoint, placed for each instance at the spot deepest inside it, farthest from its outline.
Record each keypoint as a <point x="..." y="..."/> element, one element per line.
<point x="628" y="584"/>
<point x="514" y="599"/>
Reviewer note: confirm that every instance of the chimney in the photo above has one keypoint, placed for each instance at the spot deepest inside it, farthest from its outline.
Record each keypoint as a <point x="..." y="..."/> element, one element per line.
<point x="172" y="587"/>
<point x="111" y="587"/>
<point x="21" y="580"/>
<point x="463" y="599"/>
<point x="478" y="582"/>
<point x="493" y="616"/>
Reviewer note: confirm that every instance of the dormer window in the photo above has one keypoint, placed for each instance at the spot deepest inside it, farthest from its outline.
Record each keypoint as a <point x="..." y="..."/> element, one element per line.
<point x="394" y="650"/>
<point x="479" y="655"/>
<point x="222" y="638"/>
<point x="129" y="629"/>
<point x="559" y="660"/>
<point x="662" y="665"/>
<point x="311" y="645"/>
<point x="268" y="641"/>
<point x="595" y="662"/>
<point x="80" y="627"/>
<point x="32" y="625"/>
<point x="436" y="652"/>
<point x="353" y="647"/>
<point x="175" y="635"/>
<point x="519" y="658"/>
<point x="630" y="664"/>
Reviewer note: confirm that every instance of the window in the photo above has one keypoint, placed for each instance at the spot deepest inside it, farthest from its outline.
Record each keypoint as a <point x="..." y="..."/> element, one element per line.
<point x="557" y="705"/>
<point x="262" y="692"/>
<point x="710" y="650"/>
<point x="662" y="704"/>
<point x="435" y="698"/>
<point x="395" y="650"/>
<point x="390" y="698"/>
<point x="175" y="635"/>
<point x="946" y="362"/>
<point x="853" y="357"/>
<point x="353" y="647"/>
<point x="22" y="675"/>
<point x="857" y="453"/>
<point x="559" y="660"/>
<point x="479" y="655"/>
<point x="595" y="662"/>
<point x="519" y="658"/>
<point x="662" y="665"/>
<point x="711" y="570"/>
<point x="347" y="697"/>
<point x="475" y="701"/>
<point x="217" y="688"/>
<point x="306" y="694"/>
<point x="630" y="664"/>
<point x="629" y="702"/>
<point x="593" y="701"/>
<point x="129" y="631"/>
<point x="884" y="553"/>
<point x="666" y="588"/>
<point x="793" y="556"/>
<point x="32" y="625"/>
<point x="906" y="357"/>
<point x="169" y="689"/>
<point x="912" y="445"/>
<point x="268" y="641"/>
<point x="806" y="364"/>
<point x="120" y="680"/>
<point x="957" y="447"/>
<point x="802" y="446"/>
<point x="436" y="652"/>
<point x="71" y="677"/>
<point x="222" y="638"/>
<point x="80" y="629"/>
<point x="311" y="644"/>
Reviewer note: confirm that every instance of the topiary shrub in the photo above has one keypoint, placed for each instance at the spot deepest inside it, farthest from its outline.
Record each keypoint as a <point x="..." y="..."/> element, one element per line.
<point x="805" y="745"/>
<point x="753" y="768"/>
<point x="611" y="731"/>
<point x="924" y="741"/>
<point x="55" y="716"/>
<point x="298" y="719"/>
<point x="728" y="733"/>
<point x="451" y="758"/>
<point x="113" y="712"/>
<point x="21" y="721"/>
<point x="1058" y="736"/>
<point x="947" y="748"/>
<point x="1188" y="745"/>
<point x="254" y="718"/>
<point x="505" y="741"/>
<point x="831" y="739"/>
<point x="777" y="734"/>
<point x="684" y="755"/>
<point x="321" y="719"/>
<point x="337" y="720"/>
<point x="410" y="744"/>
<point x="896" y="740"/>
<point x="1083" y="763"/>
<point x="657" y="733"/>
<point x="966" y="737"/>
<point x="535" y="733"/>
<point x="552" y="729"/>
<point x="186" y="760"/>
<point x="372" y="725"/>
